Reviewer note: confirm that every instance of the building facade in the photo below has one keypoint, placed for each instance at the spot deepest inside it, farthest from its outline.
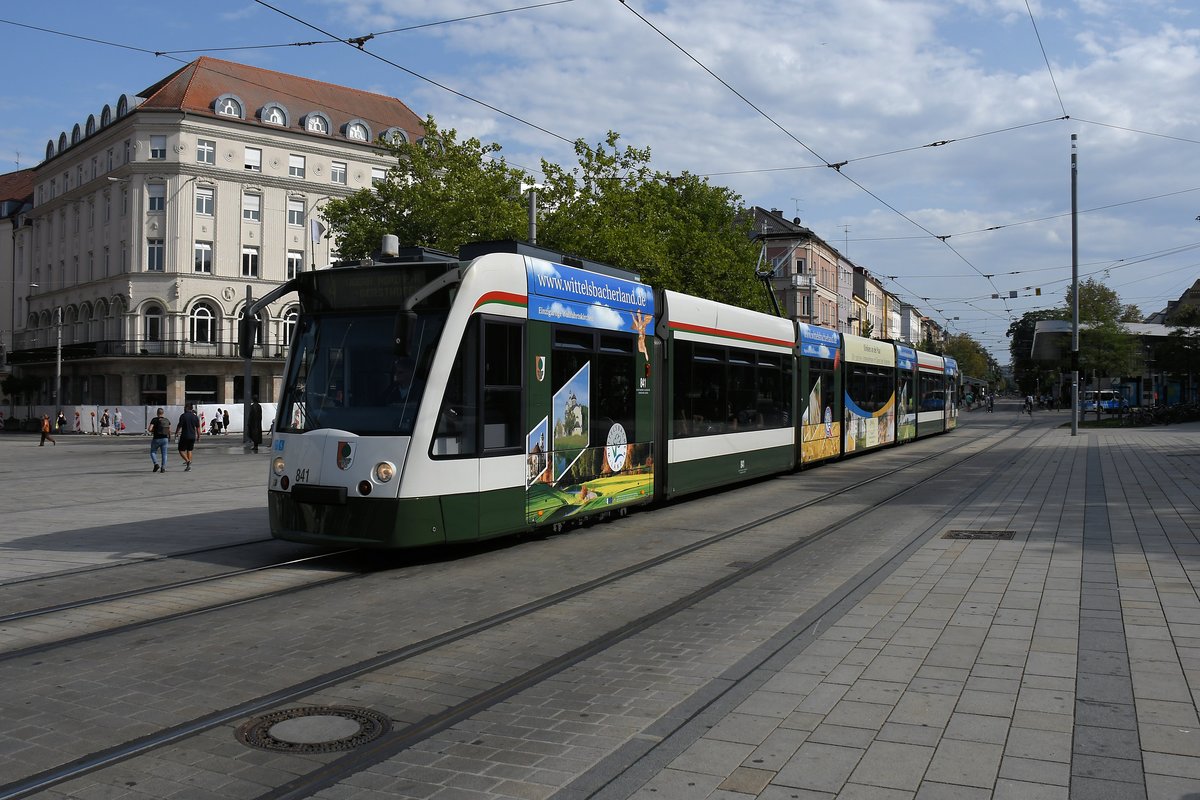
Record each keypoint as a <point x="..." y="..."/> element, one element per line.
<point x="151" y="222"/>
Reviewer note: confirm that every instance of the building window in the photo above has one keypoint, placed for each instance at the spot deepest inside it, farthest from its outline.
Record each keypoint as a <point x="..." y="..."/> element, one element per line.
<point x="378" y="175"/>
<point x="229" y="106"/>
<point x="337" y="172"/>
<point x="107" y="207"/>
<point x="295" y="213"/>
<point x="124" y="202"/>
<point x="254" y="159"/>
<point x="290" y="318"/>
<point x="155" y="255"/>
<point x="316" y="122"/>
<point x="204" y="201"/>
<point x="158" y="197"/>
<point x="204" y="257"/>
<point x="154" y="324"/>
<point x="357" y="131"/>
<point x="251" y="207"/>
<point x="158" y="147"/>
<point x="106" y="260"/>
<point x="110" y="160"/>
<point x="206" y="151"/>
<point x="273" y="115"/>
<point x="295" y="263"/>
<point x="203" y="324"/>
<point x="249" y="262"/>
<point x="296" y="166"/>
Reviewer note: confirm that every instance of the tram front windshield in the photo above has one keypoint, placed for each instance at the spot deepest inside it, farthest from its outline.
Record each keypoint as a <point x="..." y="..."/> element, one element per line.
<point x="348" y="372"/>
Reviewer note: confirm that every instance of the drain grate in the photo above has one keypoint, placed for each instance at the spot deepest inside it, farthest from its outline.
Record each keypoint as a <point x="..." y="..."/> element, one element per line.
<point x="961" y="534"/>
<point x="314" y="729"/>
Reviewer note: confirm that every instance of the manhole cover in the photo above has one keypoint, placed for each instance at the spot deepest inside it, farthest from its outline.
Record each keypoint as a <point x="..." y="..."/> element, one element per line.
<point x="314" y="729"/>
<point x="977" y="535"/>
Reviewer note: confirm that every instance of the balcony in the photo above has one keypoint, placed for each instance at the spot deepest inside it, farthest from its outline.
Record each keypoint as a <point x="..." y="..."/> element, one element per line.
<point x="135" y="348"/>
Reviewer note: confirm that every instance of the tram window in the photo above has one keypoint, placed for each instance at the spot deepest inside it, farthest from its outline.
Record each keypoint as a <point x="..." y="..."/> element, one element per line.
<point x="574" y="339"/>
<point x="768" y="401"/>
<point x="612" y="385"/>
<point x="501" y="385"/>
<point x="616" y="344"/>
<point x="743" y="396"/>
<point x="456" y="431"/>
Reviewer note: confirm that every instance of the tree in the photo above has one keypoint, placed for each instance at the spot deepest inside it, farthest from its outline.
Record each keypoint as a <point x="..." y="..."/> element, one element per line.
<point x="441" y="193"/>
<point x="1031" y="376"/>
<point x="1179" y="353"/>
<point x="678" y="231"/>
<point x="972" y="357"/>
<point x="1098" y="303"/>
<point x="1106" y="349"/>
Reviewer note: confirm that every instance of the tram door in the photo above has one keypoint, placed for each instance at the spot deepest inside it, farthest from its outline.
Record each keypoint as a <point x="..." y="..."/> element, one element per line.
<point x="480" y="428"/>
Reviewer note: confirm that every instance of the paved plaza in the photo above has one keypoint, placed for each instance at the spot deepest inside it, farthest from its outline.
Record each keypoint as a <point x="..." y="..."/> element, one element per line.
<point x="1055" y="655"/>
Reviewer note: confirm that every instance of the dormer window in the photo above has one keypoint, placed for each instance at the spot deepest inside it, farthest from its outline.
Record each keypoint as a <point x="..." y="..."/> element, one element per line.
<point x="228" y="105"/>
<point x="316" y="122"/>
<point x="274" y="114"/>
<point x="394" y="136"/>
<point x="357" y="130"/>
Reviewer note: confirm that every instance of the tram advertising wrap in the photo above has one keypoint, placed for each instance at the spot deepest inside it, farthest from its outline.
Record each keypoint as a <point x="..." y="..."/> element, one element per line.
<point x="586" y="451"/>
<point x="428" y="400"/>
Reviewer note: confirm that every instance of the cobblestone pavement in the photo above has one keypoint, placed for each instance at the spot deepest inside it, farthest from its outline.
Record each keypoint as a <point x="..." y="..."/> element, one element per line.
<point x="882" y="661"/>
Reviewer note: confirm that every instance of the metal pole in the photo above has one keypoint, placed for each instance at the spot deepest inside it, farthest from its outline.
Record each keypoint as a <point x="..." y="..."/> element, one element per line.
<point x="1074" y="291"/>
<point x="57" y="361"/>
<point x="533" y="216"/>
<point x="246" y="373"/>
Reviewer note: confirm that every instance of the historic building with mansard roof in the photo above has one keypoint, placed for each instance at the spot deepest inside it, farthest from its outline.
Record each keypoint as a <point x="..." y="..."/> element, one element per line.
<point x="149" y="221"/>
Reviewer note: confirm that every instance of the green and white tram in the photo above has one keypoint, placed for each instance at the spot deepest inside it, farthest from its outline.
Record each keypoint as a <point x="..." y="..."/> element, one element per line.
<point x="434" y="400"/>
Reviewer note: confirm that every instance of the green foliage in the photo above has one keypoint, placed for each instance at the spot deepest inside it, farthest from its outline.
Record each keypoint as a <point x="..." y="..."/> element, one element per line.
<point x="1098" y="303"/>
<point x="678" y="231"/>
<point x="1179" y="354"/>
<point x="972" y="357"/>
<point x="1030" y="375"/>
<point x="441" y="193"/>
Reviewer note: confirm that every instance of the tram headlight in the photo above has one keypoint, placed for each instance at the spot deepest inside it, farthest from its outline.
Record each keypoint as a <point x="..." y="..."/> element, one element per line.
<point x="277" y="466"/>
<point x="385" y="471"/>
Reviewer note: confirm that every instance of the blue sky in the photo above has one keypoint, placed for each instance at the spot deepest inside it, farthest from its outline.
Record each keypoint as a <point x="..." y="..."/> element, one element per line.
<point x="868" y="82"/>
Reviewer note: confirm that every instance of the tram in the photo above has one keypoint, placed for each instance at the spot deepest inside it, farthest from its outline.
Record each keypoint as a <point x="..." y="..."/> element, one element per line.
<point x="429" y="399"/>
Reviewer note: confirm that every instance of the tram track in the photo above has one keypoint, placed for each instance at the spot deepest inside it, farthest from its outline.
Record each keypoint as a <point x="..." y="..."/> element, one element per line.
<point x="34" y="630"/>
<point x="432" y="723"/>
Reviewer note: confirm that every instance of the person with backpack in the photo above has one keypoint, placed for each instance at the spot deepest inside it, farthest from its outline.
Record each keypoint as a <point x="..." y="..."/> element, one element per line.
<point x="160" y="435"/>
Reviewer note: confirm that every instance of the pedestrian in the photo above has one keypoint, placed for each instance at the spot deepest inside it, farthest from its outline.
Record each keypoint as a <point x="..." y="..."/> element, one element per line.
<point x="1029" y="404"/>
<point x="254" y="424"/>
<point x="60" y="423"/>
<point x="46" y="437"/>
<point x="160" y="436"/>
<point x="991" y="401"/>
<point x="187" y="432"/>
<point x="104" y="422"/>
<point x="225" y="420"/>
<point x="216" y="423"/>
<point x="118" y="424"/>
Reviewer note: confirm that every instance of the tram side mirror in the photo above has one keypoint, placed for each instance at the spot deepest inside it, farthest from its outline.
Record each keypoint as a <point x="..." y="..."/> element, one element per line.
<point x="402" y="332"/>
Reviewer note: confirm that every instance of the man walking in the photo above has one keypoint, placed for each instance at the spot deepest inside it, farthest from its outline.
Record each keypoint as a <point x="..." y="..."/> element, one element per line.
<point x="187" y="432"/>
<point x="46" y="437"/>
<point x="254" y="425"/>
<point x="160" y="436"/>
